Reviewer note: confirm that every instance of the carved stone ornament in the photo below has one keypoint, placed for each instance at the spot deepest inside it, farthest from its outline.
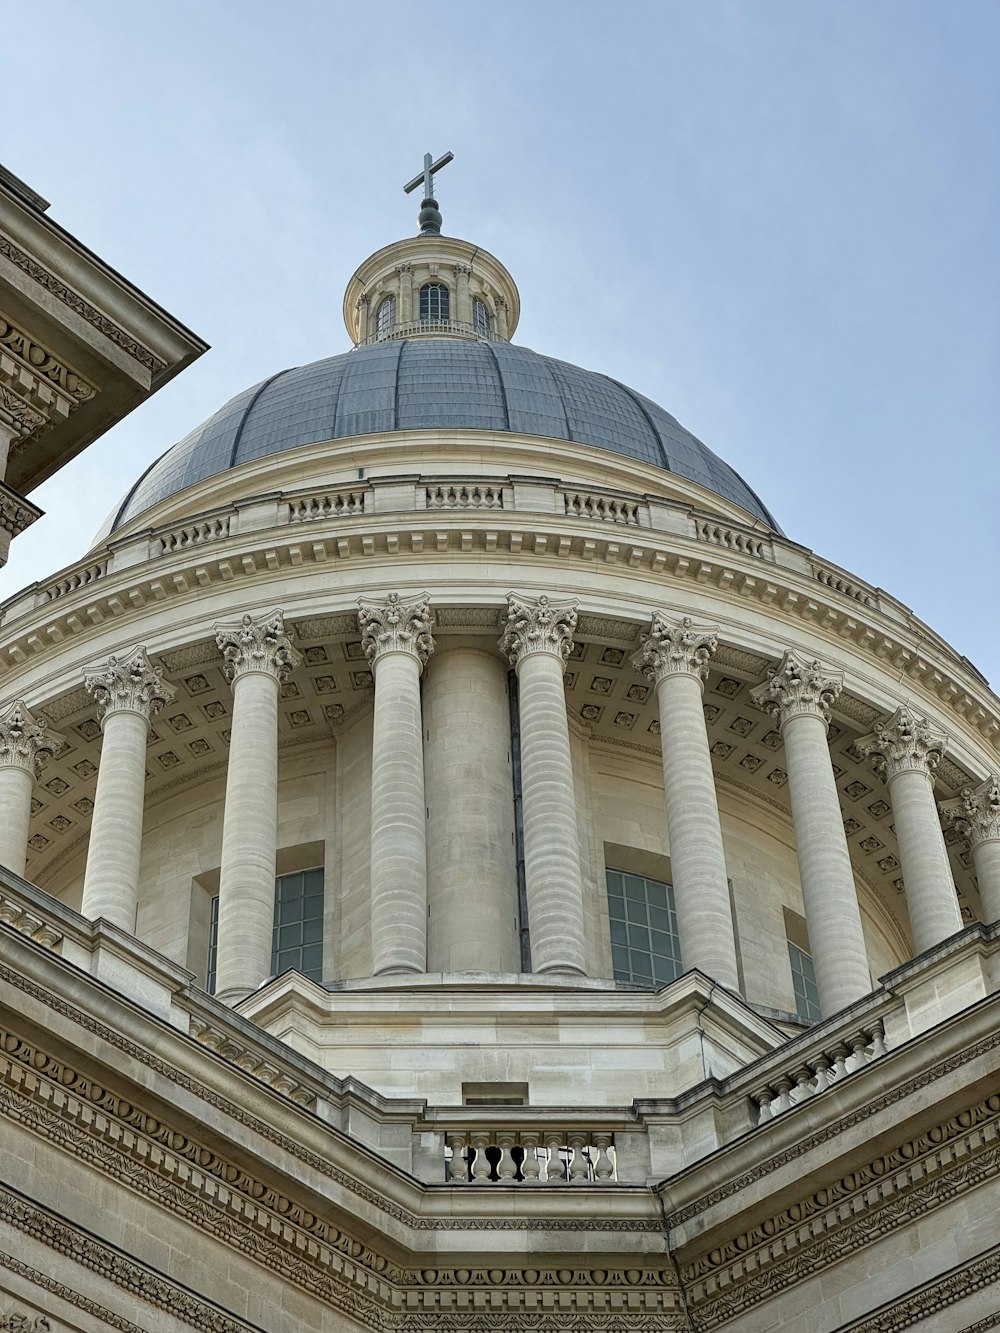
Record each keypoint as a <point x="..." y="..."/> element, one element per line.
<point x="23" y="419"/>
<point x="905" y="744"/>
<point x="257" y="645"/>
<point x="799" y="686"/>
<point x="396" y="626"/>
<point x="128" y="683"/>
<point x="975" y="812"/>
<point x="24" y="741"/>
<point x="16" y="513"/>
<point x="537" y="626"/>
<point x="675" y="648"/>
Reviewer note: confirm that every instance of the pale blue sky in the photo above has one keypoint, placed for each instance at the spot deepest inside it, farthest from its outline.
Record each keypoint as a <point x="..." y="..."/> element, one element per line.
<point x="778" y="218"/>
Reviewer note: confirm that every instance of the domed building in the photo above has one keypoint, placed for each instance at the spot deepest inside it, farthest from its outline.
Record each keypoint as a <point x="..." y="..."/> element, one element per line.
<point x="479" y="873"/>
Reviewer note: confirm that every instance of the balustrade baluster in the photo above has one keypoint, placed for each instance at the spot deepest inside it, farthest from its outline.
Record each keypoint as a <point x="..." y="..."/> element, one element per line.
<point x="604" y="1168"/>
<point x="506" y="1167"/>
<point x="530" y="1168"/>
<point x="458" y="1168"/>
<point x="579" y="1167"/>
<point x="555" y="1168"/>
<point x="481" y="1163"/>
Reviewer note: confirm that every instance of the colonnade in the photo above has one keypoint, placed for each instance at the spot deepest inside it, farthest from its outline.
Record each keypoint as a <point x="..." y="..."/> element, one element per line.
<point x="459" y="737"/>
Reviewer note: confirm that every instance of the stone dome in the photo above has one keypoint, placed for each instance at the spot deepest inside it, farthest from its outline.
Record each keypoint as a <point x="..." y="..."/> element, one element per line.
<point x="428" y="383"/>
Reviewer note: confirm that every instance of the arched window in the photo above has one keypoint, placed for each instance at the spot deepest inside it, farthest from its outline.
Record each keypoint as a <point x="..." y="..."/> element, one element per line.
<point x="385" y="317"/>
<point x="435" y="304"/>
<point x="480" y="316"/>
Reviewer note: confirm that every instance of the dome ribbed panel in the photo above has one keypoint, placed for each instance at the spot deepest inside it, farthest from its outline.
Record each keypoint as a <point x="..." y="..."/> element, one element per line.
<point x="435" y="384"/>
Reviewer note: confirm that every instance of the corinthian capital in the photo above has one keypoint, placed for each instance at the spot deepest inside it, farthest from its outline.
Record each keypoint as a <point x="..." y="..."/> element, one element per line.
<point x="975" y="812"/>
<point x="798" y="686"/>
<point x="129" y="683"/>
<point x="675" y="648"/>
<point x="905" y="744"/>
<point x="396" y="627"/>
<point x="537" y="626"/>
<point x="24" y="741"/>
<point x="257" y="645"/>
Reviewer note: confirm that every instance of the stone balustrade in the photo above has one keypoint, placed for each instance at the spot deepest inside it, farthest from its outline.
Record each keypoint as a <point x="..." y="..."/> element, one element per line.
<point x="818" y="1069"/>
<point x="606" y="507"/>
<point x="328" y="504"/>
<point x="542" y="1156"/>
<point x="464" y="495"/>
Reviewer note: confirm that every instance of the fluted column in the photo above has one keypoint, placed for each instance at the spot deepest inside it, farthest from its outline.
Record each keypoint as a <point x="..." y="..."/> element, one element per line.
<point x="471" y="864"/>
<point x="976" y="815"/>
<point x="800" y="693"/>
<point x="675" y="656"/>
<point x="396" y="637"/>
<point x="906" y="750"/>
<point x="129" y="692"/>
<point x="25" y="745"/>
<point x="259" y="658"/>
<point x="537" y="640"/>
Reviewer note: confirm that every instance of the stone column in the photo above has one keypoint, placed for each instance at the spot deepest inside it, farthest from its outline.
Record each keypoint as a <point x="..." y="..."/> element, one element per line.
<point x="800" y="693"/>
<point x="259" y="658"/>
<point x="501" y="308"/>
<point x="906" y="751"/>
<point x="463" y="302"/>
<point x="675" y="656"/>
<point x="25" y="745"/>
<point x="364" y="310"/>
<point x="397" y="641"/>
<point x="471" y="864"/>
<point x="129" y="691"/>
<point x="537" y="640"/>
<point x="405" y="272"/>
<point x="976" y="815"/>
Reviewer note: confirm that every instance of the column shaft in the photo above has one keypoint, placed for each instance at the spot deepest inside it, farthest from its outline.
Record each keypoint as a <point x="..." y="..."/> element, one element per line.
<point x="697" y="858"/>
<point x="930" y="889"/>
<point x="833" y="918"/>
<point x="111" y="880"/>
<point x="399" y="820"/>
<point x="553" y="874"/>
<point x="249" y="838"/>
<point x="471" y="870"/>
<point x="986" y="859"/>
<point x="16" y="785"/>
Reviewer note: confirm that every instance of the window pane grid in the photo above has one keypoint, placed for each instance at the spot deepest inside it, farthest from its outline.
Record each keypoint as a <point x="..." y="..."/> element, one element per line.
<point x="645" y="946"/>
<point x="297" y="936"/>
<point x="804" y="984"/>
<point x="435" y="302"/>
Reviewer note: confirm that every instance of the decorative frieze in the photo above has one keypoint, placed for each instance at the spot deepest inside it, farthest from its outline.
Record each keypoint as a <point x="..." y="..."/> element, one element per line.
<point x="129" y="683"/>
<point x="25" y="741"/>
<point x="537" y="626"/>
<point x="799" y="686"/>
<point x="675" y="648"/>
<point x="16" y="513"/>
<point x="257" y="645"/>
<point x="396" y="626"/>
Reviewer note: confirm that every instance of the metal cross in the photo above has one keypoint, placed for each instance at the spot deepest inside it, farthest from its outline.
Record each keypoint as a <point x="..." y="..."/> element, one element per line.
<point x="426" y="177"/>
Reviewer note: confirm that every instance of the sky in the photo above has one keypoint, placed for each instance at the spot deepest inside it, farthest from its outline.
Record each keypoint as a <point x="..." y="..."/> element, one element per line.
<point x="777" y="218"/>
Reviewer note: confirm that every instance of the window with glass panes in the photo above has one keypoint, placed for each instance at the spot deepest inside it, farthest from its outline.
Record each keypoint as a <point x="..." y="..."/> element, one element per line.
<point x="804" y="984"/>
<point x="435" y="302"/>
<point x="385" y="316"/>
<point x="480" y="316"/>
<point x="297" y="939"/>
<point x="645" y="946"/>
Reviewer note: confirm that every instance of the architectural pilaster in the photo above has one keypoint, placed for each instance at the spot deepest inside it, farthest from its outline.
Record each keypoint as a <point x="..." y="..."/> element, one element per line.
<point x="975" y="812"/>
<point x="259" y="658"/>
<point x="25" y="745"/>
<point x="129" y="691"/>
<point x="396" y="638"/>
<point x="463" y="301"/>
<point x="800" y="692"/>
<point x="472" y="919"/>
<point x="537" y="640"/>
<point x="405" y="272"/>
<point x="502" y="321"/>
<point x="905" y="751"/>
<point x="675" y="655"/>
<point x="363" y="317"/>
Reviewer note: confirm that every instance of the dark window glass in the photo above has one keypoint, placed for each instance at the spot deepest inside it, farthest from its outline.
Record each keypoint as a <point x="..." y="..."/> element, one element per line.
<point x="804" y="984"/>
<point x="645" y="946"/>
<point x="297" y="940"/>
<point x="385" y="317"/>
<point x="480" y="316"/>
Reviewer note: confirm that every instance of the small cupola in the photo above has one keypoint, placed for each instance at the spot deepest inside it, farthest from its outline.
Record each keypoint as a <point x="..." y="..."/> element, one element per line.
<point x="431" y="285"/>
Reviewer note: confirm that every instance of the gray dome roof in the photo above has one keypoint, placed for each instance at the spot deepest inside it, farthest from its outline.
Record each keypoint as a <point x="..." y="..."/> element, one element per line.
<point x="427" y="383"/>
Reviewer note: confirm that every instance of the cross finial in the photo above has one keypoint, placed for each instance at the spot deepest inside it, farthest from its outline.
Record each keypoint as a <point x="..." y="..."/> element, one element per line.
<point x="429" y="217"/>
